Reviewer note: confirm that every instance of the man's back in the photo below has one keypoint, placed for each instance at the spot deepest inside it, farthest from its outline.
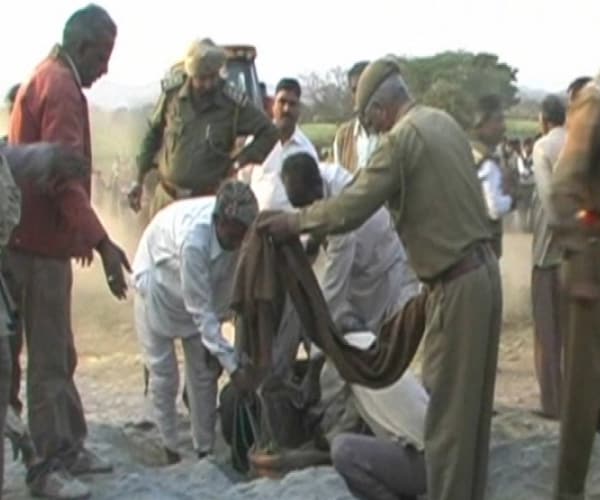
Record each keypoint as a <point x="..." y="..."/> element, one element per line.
<point x="377" y="245"/>
<point x="163" y="238"/>
<point x="379" y="278"/>
<point x="424" y="169"/>
<point x="442" y="211"/>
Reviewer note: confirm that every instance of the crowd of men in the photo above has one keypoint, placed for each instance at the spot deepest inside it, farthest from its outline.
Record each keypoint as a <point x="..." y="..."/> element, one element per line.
<point x="413" y="204"/>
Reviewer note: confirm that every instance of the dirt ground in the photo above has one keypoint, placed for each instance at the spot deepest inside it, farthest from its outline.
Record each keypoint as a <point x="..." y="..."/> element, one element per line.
<point x="109" y="378"/>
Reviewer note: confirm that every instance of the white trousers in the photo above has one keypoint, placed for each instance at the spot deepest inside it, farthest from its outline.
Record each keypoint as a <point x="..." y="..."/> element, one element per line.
<point x="202" y="371"/>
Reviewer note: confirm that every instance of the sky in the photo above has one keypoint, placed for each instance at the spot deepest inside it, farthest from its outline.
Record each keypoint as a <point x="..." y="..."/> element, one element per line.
<point x="542" y="38"/>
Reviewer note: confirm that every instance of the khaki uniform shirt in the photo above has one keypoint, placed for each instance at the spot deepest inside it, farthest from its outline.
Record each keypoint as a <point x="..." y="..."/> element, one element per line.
<point x="196" y="141"/>
<point x="424" y="169"/>
<point x="576" y="183"/>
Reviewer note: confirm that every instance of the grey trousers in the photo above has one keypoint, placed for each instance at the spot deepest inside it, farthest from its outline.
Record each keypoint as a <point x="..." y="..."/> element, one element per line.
<point x="5" y="375"/>
<point x="202" y="371"/>
<point x="41" y="287"/>
<point x="547" y="348"/>
<point x="377" y="469"/>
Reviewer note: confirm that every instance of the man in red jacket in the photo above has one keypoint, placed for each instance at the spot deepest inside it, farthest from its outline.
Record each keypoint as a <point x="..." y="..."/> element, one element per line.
<point x="58" y="225"/>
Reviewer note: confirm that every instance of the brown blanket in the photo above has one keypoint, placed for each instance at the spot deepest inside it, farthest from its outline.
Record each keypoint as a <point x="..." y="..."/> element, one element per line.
<point x="266" y="272"/>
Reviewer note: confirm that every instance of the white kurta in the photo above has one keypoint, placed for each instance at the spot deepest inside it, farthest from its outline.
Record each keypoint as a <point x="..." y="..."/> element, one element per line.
<point x="185" y="277"/>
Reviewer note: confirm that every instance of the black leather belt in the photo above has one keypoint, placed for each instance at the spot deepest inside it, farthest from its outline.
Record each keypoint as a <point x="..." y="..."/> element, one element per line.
<point x="475" y="257"/>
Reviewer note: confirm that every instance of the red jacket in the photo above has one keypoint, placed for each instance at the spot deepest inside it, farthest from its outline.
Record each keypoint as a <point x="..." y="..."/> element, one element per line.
<point x="52" y="108"/>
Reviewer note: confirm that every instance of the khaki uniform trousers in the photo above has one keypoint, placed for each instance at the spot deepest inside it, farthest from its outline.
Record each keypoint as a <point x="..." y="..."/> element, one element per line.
<point x="581" y="394"/>
<point x="459" y="371"/>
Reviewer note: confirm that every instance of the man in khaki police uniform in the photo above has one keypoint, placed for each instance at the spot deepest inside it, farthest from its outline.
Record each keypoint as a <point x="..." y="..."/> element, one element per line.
<point x="575" y="196"/>
<point x="197" y="119"/>
<point x="423" y="168"/>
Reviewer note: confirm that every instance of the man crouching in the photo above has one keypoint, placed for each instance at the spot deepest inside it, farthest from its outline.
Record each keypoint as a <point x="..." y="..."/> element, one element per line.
<point x="183" y="272"/>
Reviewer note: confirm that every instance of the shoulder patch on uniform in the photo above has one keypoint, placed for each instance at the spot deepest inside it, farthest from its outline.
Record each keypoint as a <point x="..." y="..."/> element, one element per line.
<point x="234" y="93"/>
<point x="173" y="79"/>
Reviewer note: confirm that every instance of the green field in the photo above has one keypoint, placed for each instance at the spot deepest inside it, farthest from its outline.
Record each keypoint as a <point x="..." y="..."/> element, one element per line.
<point x="322" y="134"/>
<point x="522" y="128"/>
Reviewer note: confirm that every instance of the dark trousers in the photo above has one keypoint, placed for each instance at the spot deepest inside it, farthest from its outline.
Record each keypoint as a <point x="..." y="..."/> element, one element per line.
<point x="580" y="396"/>
<point x="547" y="348"/>
<point x="378" y="469"/>
<point x="42" y="289"/>
<point x="4" y="395"/>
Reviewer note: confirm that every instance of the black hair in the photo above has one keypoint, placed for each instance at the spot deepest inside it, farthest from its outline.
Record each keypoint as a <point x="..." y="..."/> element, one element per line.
<point x="88" y="24"/>
<point x="553" y="110"/>
<point x="290" y="84"/>
<point x="487" y="106"/>
<point x="303" y="169"/>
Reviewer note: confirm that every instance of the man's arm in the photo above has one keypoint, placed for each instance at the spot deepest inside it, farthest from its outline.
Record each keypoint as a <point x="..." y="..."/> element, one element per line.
<point x="371" y="188"/>
<point x="153" y="139"/>
<point x="252" y="121"/>
<point x="197" y="296"/>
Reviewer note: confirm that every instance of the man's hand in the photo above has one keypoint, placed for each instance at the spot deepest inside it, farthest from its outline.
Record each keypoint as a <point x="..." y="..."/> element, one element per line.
<point x="135" y="197"/>
<point x="114" y="260"/>
<point x="280" y="226"/>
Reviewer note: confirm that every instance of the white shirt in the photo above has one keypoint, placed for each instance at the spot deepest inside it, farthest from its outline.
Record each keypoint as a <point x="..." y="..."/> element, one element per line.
<point x="265" y="180"/>
<point x="366" y="274"/>
<point x="186" y="277"/>
<point x="365" y="144"/>
<point x="490" y="176"/>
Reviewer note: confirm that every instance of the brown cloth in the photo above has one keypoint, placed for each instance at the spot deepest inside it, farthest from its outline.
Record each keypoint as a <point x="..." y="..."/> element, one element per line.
<point x="267" y="272"/>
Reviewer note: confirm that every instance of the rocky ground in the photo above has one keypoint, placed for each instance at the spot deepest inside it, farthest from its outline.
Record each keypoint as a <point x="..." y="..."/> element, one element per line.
<point x="110" y="380"/>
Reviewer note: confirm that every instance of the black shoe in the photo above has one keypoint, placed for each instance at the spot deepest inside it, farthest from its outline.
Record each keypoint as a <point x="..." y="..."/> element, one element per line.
<point x="202" y="455"/>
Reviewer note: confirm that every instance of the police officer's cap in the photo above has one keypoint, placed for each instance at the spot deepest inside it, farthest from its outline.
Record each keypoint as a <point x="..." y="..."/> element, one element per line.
<point x="203" y="58"/>
<point x="372" y="78"/>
